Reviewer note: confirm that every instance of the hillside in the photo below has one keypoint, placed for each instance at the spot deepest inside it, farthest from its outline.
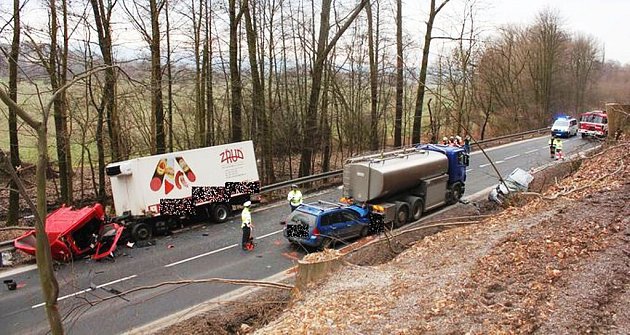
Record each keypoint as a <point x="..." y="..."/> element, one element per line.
<point x="558" y="264"/>
<point x="554" y="263"/>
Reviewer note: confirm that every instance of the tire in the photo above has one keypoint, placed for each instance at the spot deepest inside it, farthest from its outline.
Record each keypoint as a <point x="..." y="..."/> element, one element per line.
<point x="456" y="193"/>
<point x="416" y="207"/>
<point x="402" y="213"/>
<point x="220" y="213"/>
<point x="583" y="135"/>
<point x="141" y="231"/>
<point x="364" y="232"/>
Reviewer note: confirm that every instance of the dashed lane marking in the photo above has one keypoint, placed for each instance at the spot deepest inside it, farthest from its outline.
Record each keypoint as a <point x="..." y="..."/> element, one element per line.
<point x="201" y="255"/>
<point x="532" y="151"/>
<point x="510" y="157"/>
<point x="484" y="165"/>
<point x="88" y="289"/>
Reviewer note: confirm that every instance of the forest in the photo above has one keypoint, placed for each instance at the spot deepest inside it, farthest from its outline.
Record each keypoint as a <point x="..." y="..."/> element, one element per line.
<point x="310" y="82"/>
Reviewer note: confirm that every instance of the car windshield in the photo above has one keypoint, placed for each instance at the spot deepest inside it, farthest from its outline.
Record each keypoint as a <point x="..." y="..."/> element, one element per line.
<point x="301" y="217"/>
<point x="561" y="123"/>
<point x="593" y="119"/>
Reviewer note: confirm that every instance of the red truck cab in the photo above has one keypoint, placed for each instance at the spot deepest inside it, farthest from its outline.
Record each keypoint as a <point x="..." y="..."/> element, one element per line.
<point x="74" y="233"/>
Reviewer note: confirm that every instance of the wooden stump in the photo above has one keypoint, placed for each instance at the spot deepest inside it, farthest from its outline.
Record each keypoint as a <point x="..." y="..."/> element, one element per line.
<point x="314" y="271"/>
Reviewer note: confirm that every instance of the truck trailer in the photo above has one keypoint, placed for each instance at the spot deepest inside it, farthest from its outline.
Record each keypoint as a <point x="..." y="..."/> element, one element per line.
<point x="153" y="194"/>
<point x="382" y="191"/>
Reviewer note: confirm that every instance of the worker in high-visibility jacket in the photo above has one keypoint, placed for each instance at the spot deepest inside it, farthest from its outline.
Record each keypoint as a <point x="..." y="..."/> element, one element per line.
<point x="558" y="145"/>
<point x="246" y="226"/>
<point x="294" y="198"/>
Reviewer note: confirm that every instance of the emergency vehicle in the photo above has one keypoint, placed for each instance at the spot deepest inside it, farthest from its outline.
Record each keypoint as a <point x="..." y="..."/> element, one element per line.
<point x="593" y="123"/>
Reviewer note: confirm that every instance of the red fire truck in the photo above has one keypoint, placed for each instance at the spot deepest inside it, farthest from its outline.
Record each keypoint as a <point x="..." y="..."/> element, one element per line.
<point x="593" y="123"/>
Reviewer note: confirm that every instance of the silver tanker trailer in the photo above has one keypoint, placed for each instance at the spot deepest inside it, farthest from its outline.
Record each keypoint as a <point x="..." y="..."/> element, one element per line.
<point x="402" y="184"/>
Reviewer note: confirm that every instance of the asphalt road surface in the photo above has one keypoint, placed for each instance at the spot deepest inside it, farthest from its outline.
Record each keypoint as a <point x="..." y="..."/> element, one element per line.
<point x="87" y="298"/>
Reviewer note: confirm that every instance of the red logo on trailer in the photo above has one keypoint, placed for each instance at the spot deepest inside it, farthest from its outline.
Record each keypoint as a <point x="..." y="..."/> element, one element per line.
<point x="231" y="155"/>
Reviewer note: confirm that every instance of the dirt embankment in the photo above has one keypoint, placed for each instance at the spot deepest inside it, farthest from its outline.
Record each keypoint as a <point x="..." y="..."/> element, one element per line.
<point x="558" y="263"/>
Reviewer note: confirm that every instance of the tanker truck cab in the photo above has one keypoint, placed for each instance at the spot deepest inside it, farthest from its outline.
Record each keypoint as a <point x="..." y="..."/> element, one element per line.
<point x="458" y="161"/>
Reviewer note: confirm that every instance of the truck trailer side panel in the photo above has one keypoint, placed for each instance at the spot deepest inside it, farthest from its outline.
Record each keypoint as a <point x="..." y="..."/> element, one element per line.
<point x="139" y="185"/>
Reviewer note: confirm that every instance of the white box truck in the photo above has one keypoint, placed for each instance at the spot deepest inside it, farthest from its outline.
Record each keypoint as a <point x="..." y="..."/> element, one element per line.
<point x="153" y="194"/>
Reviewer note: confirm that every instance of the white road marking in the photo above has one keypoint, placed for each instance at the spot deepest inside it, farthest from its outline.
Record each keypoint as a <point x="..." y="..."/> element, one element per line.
<point x="484" y="165"/>
<point x="499" y="162"/>
<point x="532" y="151"/>
<point x="510" y="157"/>
<point x="201" y="255"/>
<point x="87" y="290"/>
<point x="468" y="170"/>
<point x="266" y="235"/>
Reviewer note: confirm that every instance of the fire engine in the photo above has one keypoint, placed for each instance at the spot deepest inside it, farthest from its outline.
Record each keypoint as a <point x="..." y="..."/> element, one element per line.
<point x="593" y="123"/>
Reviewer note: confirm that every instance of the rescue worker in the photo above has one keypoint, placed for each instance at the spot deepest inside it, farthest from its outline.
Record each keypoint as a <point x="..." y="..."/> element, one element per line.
<point x="467" y="144"/>
<point x="246" y="226"/>
<point x="295" y="197"/>
<point x="444" y="140"/>
<point x="552" y="146"/>
<point x="558" y="146"/>
<point x="458" y="141"/>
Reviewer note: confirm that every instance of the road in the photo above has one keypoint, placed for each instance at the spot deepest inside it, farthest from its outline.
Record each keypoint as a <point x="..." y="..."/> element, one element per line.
<point x="87" y="289"/>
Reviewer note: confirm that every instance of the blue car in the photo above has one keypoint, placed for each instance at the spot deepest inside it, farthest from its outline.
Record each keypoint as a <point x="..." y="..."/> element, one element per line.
<point x="319" y="225"/>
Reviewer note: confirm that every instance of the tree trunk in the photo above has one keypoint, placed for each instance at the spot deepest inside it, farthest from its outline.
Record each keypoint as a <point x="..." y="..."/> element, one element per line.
<point x="399" y="77"/>
<point x="107" y="102"/>
<point x="156" y="78"/>
<point x="169" y="74"/>
<point x="417" y="117"/>
<point x="207" y="61"/>
<point x="14" y="195"/>
<point x="324" y="47"/>
<point x="235" y="77"/>
<point x="373" y="56"/>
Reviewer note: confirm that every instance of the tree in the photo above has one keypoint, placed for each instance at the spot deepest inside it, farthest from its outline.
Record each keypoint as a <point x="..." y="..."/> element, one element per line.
<point x="547" y="43"/>
<point x="582" y="60"/>
<point x="400" y="83"/>
<point x="106" y="106"/>
<point x="236" y="104"/>
<point x="50" y="286"/>
<point x="373" y="55"/>
<point x="14" y="195"/>
<point x="324" y="47"/>
<point x="417" y="117"/>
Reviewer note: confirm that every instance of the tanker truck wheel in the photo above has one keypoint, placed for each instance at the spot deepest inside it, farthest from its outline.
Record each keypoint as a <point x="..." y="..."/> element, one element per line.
<point x="402" y="213"/>
<point x="416" y="207"/>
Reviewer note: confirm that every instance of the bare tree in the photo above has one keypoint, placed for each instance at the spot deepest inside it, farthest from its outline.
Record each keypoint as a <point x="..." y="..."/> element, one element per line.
<point x="14" y="195"/>
<point x="400" y="80"/>
<point x="417" y="118"/>
<point x="373" y="55"/>
<point x="583" y="56"/>
<point x="236" y="103"/>
<point x="324" y="46"/>
<point x="106" y="107"/>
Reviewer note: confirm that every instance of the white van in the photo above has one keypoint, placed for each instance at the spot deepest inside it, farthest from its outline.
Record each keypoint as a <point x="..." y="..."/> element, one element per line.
<point x="565" y="127"/>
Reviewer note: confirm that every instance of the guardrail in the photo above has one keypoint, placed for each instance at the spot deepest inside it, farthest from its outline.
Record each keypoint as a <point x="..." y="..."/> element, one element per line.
<point x="8" y="245"/>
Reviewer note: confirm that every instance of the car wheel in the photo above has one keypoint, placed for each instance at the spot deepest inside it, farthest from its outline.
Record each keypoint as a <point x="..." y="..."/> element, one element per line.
<point x="141" y="232"/>
<point x="364" y="232"/>
<point x="456" y="193"/>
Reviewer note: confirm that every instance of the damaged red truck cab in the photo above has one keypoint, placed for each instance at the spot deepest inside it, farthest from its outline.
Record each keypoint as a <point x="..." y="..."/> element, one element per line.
<point x="74" y="233"/>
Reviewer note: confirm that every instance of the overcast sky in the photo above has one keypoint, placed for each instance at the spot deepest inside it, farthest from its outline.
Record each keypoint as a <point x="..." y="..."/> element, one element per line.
<point x="606" y="20"/>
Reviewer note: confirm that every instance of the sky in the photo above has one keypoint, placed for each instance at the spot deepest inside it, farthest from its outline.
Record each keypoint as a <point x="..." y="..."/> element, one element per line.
<point x="606" y="20"/>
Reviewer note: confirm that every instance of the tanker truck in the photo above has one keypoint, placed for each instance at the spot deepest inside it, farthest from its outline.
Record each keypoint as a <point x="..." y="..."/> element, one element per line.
<point x="382" y="191"/>
<point x="402" y="184"/>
